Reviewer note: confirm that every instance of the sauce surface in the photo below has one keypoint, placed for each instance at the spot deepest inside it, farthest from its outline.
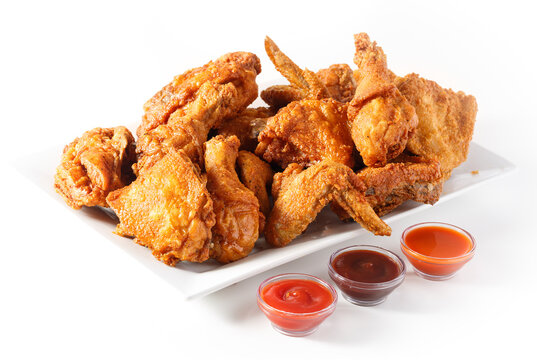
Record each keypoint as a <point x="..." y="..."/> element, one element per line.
<point x="297" y="295"/>
<point x="438" y="241"/>
<point x="366" y="266"/>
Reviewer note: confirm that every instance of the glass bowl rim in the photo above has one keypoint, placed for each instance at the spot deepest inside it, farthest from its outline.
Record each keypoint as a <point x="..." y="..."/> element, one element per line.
<point x="327" y="310"/>
<point x="365" y="285"/>
<point x="433" y="259"/>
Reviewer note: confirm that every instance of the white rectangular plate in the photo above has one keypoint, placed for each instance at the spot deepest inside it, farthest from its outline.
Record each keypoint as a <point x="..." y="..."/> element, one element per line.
<point x="196" y="280"/>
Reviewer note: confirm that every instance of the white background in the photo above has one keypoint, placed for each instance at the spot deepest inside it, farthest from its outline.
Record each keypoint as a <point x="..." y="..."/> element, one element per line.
<point x="68" y="67"/>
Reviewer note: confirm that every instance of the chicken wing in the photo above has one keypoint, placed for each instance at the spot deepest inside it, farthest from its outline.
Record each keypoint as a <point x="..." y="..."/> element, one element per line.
<point x="382" y="119"/>
<point x="446" y="121"/>
<point x="167" y="209"/>
<point x="232" y="76"/>
<point x="307" y="132"/>
<point x="247" y="126"/>
<point x="236" y="208"/>
<point x="305" y="193"/>
<point x="336" y="82"/>
<point x="406" y="178"/>
<point x="95" y="164"/>
<point x="256" y="175"/>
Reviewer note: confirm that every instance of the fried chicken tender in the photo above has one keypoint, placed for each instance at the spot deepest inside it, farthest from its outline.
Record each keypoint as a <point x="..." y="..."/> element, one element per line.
<point x="232" y="74"/>
<point x="306" y="132"/>
<point x="336" y="82"/>
<point x="406" y="178"/>
<point x="167" y="209"/>
<point x="95" y="164"/>
<point x="382" y="119"/>
<point x="446" y="121"/>
<point x="257" y="176"/>
<point x="302" y="194"/>
<point x="247" y="126"/>
<point x="238" y="219"/>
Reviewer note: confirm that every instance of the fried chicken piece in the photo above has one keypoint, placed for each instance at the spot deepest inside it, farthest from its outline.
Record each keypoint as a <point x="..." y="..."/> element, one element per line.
<point x="202" y="98"/>
<point x="279" y="96"/>
<point x="339" y="81"/>
<point x="238" y="218"/>
<point x="306" y="132"/>
<point x="336" y="82"/>
<point x="167" y="209"/>
<point x="232" y="76"/>
<point x="185" y="132"/>
<point x="247" y="126"/>
<point x="406" y="178"/>
<point x="382" y="119"/>
<point x="95" y="164"/>
<point x="304" y="83"/>
<point x="446" y="121"/>
<point x="305" y="193"/>
<point x="257" y="176"/>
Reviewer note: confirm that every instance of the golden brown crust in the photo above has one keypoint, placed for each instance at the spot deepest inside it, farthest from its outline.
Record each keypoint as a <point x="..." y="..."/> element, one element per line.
<point x="95" y="164"/>
<point x="247" y="126"/>
<point x="238" y="70"/>
<point x="167" y="209"/>
<point x="382" y="119"/>
<point x="339" y="81"/>
<point x="238" y="219"/>
<point x="306" y="132"/>
<point x="303" y="194"/>
<point x="446" y="121"/>
<point x="279" y="96"/>
<point x="257" y="176"/>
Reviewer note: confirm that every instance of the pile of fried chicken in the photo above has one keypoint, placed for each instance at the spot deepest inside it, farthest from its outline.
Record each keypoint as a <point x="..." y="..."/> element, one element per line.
<point x="195" y="184"/>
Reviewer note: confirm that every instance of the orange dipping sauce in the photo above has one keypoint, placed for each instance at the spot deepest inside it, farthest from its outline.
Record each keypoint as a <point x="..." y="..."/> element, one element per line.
<point x="437" y="250"/>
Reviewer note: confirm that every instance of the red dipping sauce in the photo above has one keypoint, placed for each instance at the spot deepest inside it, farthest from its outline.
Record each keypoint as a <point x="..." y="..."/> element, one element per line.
<point x="437" y="250"/>
<point x="365" y="274"/>
<point x="296" y="303"/>
<point x="297" y="296"/>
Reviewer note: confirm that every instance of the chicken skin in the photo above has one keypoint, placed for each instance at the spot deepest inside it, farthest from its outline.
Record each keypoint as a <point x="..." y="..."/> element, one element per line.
<point x="181" y="115"/>
<point x="246" y="126"/>
<point x="167" y="209"/>
<point x="405" y="178"/>
<point x="446" y="121"/>
<point x="306" y="132"/>
<point x="232" y="76"/>
<point x="238" y="219"/>
<point x="302" y="194"/>
<point x="95" y="164"/>
<point x="257" y="176"/>
<point x="336" y="82"/>
<point x="382" y="119"/>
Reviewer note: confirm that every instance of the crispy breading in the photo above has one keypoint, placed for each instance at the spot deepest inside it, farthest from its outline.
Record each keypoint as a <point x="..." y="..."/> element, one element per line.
<point x="307" y="132"/>
<point x="279" y="96"/>
<point x="382" y="119"/>
<point x="339" y="81"/>
<point x="168" y="209"/>
<point x="247" y="126"/>
<point x="95" y="164"/>
<point x="238" y="219"/>
<point x="256" y="175"/>
<point x="306" y="192"/>
<point x="405" y="178"/>
<point x="446" y="121"/>
<point x="233" y="73"/>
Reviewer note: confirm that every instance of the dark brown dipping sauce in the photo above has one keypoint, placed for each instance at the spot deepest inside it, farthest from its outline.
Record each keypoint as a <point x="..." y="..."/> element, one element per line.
<point x="366" y="266"/>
